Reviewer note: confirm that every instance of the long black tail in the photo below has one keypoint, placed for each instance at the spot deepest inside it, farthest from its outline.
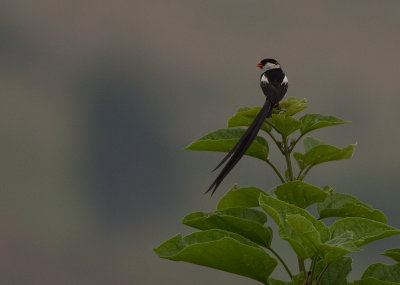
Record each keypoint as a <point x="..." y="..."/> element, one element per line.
<point x="242" y="145"/>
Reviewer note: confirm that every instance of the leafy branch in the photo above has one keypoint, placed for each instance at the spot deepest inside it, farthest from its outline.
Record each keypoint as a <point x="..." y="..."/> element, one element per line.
<point x="235" y="237"/>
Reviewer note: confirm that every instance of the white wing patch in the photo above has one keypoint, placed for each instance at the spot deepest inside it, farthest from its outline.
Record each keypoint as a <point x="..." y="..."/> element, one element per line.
<point x="264" y="79"/>
<point x="285" y="80"/>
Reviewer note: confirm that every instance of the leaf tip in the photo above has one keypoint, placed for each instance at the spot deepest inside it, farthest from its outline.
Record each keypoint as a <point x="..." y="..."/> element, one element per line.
<point x="187" y="147"/>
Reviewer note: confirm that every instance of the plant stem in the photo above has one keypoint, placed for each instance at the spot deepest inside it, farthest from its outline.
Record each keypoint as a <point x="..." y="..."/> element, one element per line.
<point x="302" y="267"/>
<point x="286" y="152"/>
<point x="275" y="141"/>
<point x="322" y="273"/>
<point x="276" y="171"/>
<point x="295" y="142"/>
<point x="312" y="269"/>
<point x="302" y="175"/>
<point x="271" y="125"/>
<point x="307" y="170"/>
<point x="281" y="260"/>
<point x="273" y="138"/>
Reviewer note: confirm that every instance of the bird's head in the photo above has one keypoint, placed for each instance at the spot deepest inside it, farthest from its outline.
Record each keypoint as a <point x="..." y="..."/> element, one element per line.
<point x="268" y="63"/>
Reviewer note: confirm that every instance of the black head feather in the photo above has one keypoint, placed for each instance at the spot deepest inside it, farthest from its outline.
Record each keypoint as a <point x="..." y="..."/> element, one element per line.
<point x="269" y="60"/>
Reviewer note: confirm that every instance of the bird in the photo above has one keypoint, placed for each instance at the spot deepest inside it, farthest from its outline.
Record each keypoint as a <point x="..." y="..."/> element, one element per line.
<point x="274" y="85"/>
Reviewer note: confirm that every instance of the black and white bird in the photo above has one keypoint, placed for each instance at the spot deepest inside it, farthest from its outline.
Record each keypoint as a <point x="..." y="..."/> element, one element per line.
<point x="274" y="85"/>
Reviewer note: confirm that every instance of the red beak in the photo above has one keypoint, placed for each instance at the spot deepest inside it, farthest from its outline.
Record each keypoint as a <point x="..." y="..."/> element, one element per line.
<point x="260" y="65"/>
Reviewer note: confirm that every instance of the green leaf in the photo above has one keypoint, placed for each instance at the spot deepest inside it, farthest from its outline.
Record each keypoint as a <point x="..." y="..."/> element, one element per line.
<point x="344" y="205"/>
<point x="310" y="237"/>
<point x="321" y="153"/>
<point x="310" y="143"/>
<point x="393" y="253"/>
<point x="300" y="193"/>
<point x="383" y="272"/>
<point x="245" y="116"/>
<point x="283" y="124"/>
<point x="338" y="247"/>
<point x="292" y="105"/>
<point x="225" y="139"/>
<point x="365" y="230"/>
<point x="306" y="231"/>
<point x="246" y="222"/>
<point x="310" y="122"/>
<point x="373" y="281"/>
<point x="240" y="197"/>
<point x="336" y="273"/>
<point x="220" y="250"/>
<point x="279" y="210"/>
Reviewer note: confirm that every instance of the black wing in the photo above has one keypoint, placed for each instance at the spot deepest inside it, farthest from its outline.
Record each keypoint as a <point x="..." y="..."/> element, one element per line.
<point x="275" y="86"/>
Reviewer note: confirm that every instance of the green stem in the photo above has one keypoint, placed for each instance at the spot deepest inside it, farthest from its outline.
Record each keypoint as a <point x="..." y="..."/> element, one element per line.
<point x="276" y="142"/>
<point x="302" y="175"/>
<point x="322" y="273"/>
<point x="271" y="125"/>
<point x="302" y="267"/>
<point x="281" y="260"/>
<point x="307" y="170"/>
<point x="276" y="171"/>
<point x="286" y="151"/>
<point x="312" y="269"/>
<point x="295" y="142"/>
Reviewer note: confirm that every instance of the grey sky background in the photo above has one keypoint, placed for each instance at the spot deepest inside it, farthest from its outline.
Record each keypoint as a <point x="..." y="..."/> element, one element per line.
<point x="100" y="97"/>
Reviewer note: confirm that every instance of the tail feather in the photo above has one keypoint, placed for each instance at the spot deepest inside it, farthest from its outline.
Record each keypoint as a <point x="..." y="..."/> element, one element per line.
<point x="249" y="130"/>
<point x="242" y="145"/>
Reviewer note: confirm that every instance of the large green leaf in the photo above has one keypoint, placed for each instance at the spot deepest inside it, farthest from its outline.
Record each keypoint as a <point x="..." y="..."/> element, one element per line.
<point x="310" y="122"/>
<point x="279" y="211"/>
<point x="365" y="230"/>
<point x="225" y="139"/>
<point x="383" y="272"/>
<point x="246" y="222"/>
<point x="345" y="205"/>
<point x="220" y="250"/>
<point x="336" y="273"/>
<point x="373" y="281"/>
<point x="240" y="197"/>
<point x="393" y="253"/>
<point x="292" y="105"/>
<point x="283" y="124"/>
<point x="245" y="116"/>
<point x="321" y="153"/>
<point x="300" y="193"/>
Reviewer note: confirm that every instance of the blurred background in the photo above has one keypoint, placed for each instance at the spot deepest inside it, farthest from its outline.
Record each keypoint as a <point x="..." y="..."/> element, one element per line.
<point x="98" y="99"/>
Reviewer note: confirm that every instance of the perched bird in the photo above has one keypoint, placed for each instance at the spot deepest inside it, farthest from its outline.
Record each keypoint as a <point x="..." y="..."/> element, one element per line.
<point x="274" y="84"/>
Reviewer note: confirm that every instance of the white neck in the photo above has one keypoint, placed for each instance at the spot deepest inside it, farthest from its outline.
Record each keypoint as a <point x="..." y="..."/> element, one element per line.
<point x="269" y="66"/>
